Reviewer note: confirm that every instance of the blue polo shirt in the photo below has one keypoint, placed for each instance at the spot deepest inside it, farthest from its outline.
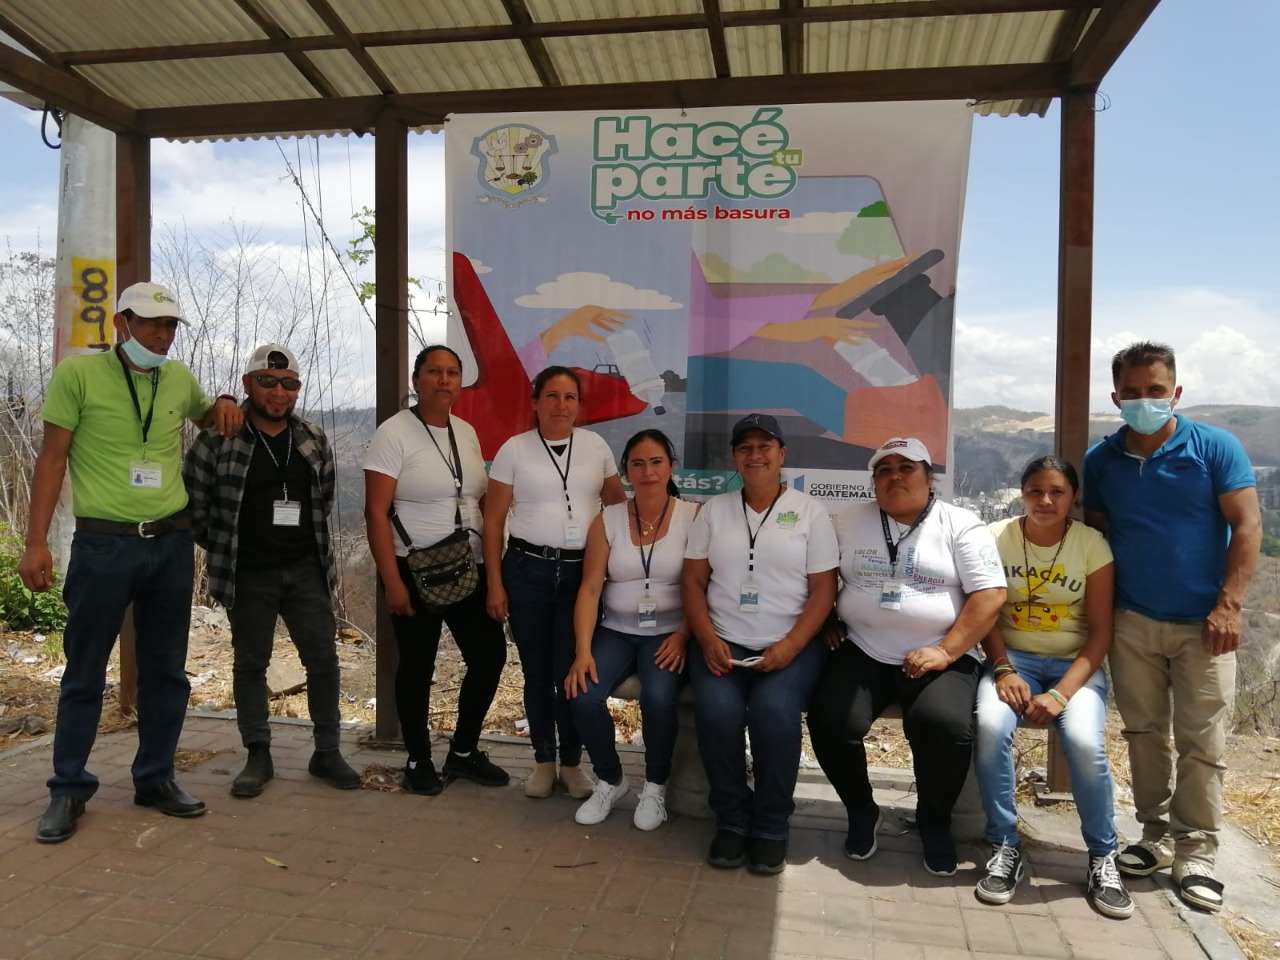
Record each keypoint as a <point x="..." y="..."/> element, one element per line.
<point x="1166" y="530"/>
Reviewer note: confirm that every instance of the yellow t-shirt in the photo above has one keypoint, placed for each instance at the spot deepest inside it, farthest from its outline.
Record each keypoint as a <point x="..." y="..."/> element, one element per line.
<point x="1045" y="611"/>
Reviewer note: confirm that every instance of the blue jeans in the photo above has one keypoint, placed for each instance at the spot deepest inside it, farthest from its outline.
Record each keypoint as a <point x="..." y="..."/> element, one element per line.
<point x="1082" y="726"/>
<point x="618" y="656"/>
<point x="769" y="706"/>
<point x="106" y="573"/>
<point x="298" y="593"/>
<point x="540" y="598"/>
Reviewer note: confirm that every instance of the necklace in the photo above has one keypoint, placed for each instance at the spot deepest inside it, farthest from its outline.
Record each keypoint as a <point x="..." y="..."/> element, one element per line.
<point x="1032" y="596"/>
<point x="652" y="528"/>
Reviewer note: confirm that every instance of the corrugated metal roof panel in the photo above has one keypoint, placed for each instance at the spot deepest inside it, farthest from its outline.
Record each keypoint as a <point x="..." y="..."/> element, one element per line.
<point x="632" y="57"/>
<point x="341" y="69"/>
<point x="178" y="83"/>
<point x="557" y="11"/>
<point x="437" y="67"/>
<point x="361" y="16"/>
<point x="295" y="17"/>
<point x="98" y="24"/>
<point x="754" y="51"/>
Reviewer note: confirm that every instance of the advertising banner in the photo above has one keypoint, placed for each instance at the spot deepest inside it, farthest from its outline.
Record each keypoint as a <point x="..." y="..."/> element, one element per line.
<point x="694" y="266"/>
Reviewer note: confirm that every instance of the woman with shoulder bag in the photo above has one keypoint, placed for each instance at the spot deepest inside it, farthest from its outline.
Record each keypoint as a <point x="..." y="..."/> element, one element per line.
<point x="552" y="479"/>
<point x="425" y="480"/>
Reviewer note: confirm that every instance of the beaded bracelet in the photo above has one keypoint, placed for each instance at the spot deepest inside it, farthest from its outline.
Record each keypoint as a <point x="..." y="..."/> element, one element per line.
<point x="1057" y="696"/>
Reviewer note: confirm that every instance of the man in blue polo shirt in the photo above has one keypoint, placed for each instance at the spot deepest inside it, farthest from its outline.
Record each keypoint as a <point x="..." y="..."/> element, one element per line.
<point x="1178" y="502"/>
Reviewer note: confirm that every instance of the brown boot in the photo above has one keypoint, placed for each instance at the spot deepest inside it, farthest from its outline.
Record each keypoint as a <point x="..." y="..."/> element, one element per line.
<point x="576" y="781"/>
<point x="542" y="781"/>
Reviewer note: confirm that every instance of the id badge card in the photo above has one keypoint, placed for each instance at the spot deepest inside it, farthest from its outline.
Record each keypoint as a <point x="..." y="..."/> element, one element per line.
<point x="286" y="513"/>
<point x="891" y="595"/>
<point x="573" y="534"/>
<point x="749" y="597"/>
<point x="145" y="474"/>
<point x="647" y="613"/>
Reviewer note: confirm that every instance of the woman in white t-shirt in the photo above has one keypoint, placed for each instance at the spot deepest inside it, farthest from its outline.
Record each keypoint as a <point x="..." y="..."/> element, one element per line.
<point x="425" y="466"/>
<point x="759" y="580"/>
<point x="922" y="585"/>
<point x="551" y="480"/>
<point x="1045" y="656"/>
<point x="635" y="554"/>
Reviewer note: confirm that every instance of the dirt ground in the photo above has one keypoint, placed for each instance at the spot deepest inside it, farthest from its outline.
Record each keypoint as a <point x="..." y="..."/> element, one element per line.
<point x="29" y="690"/>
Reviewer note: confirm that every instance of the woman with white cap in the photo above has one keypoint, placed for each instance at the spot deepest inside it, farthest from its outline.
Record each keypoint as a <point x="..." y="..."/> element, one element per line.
<point x="922" y="586"/>
<point x="759" y="582"/>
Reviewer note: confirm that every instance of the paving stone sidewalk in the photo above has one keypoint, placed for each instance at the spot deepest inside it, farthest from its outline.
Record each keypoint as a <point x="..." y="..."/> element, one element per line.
<point x="481" y="872"/>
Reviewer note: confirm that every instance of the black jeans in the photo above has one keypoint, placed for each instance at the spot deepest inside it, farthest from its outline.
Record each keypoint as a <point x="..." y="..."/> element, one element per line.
<point x="299" y="594"/>
<point x="484" y="650"/>
<point x="937" y="717"/>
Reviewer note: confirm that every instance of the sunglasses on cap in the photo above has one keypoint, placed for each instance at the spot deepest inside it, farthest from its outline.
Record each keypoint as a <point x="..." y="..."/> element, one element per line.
<point x="292" y="384"/>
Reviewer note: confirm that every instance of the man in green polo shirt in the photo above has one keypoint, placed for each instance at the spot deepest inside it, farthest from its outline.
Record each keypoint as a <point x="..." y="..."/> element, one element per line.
<point x="115" y="419"/>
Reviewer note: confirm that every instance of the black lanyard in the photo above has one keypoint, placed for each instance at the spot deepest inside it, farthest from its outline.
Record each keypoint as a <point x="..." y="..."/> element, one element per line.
<point x="646" y="563"/>
<point x="888" y="540"/>
<point x="133" y="392"/>
<point x="751" y="537"/>
<point x="564" y="474"/>
<point x="456" y="474"/>
<point x="288" y="455"/>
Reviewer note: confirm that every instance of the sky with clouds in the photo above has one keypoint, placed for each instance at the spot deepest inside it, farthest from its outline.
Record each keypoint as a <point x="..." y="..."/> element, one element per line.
<point x="1186" y="203"/>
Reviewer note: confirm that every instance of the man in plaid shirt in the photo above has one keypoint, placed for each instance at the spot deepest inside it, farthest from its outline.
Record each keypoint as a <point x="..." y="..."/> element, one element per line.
<point x="260" y="504"/>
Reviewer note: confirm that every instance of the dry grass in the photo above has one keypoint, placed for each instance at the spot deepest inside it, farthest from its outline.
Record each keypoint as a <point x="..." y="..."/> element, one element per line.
<point x="1254" y="942"/>
<point x="382" y="778"/>
<point x="190" y="759"/>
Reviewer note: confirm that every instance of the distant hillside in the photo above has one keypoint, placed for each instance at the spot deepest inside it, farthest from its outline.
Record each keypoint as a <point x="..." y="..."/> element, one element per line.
<point x="993" y="443"/>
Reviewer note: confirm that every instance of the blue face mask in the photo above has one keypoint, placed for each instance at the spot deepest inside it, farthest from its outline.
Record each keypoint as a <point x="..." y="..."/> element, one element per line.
<point x="1146" y="416"/>
<point x="140" y="356"/>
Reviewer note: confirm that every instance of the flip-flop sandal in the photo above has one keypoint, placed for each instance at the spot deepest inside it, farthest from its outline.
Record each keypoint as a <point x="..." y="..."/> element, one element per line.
<point x="1202" y="892"/>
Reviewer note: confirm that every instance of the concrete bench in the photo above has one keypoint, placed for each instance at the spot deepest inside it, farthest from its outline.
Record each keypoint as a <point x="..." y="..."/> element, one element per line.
<point x="687" y="788"/>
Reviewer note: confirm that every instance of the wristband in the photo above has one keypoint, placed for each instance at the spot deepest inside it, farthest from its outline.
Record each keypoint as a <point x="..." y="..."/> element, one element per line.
<point x="1057" y="696"/>
<point x="227" y="396"/>
<point x="1004" y="670"/>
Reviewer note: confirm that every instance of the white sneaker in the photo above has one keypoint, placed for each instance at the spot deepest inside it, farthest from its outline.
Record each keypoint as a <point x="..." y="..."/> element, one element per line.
<point x="601" y="801"/>
<point x="651" y="810"/>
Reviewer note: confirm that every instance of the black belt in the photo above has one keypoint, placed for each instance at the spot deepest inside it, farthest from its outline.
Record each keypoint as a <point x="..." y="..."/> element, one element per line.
<point x="546" y="553"/>
<point x="145" y="529"/>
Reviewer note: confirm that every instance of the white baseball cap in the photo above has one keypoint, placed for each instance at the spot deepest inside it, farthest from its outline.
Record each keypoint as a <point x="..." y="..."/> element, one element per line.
<point x="262" y="359"/>
<point x="150" y="300"/>
<point x="909" y="448"/>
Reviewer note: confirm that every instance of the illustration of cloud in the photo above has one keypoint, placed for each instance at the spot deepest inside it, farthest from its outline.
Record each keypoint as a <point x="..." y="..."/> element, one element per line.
<point x="571" y="290"/>
<point x="777" y="268"/>
<point x="480" y="266"/>
<point x="820" y="221"/>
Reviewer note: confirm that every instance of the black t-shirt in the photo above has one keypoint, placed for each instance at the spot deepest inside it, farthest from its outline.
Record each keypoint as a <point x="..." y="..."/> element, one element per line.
<point x="263" y="544"/>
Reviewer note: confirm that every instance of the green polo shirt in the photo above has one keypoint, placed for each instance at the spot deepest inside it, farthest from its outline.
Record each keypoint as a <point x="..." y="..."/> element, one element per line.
<point x="89" y="396"/>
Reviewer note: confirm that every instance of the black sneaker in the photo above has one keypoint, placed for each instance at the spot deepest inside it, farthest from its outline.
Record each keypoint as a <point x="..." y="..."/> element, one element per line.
<point x="329" y="766"/>
<point x="476" y="766"/>
<point x="860" y="841"/>
<point x="1106" y="890"/>
<point x="420" y="777"/>
<point x="766" y="856"/>
<point x="728" y="850"/>
<point x="1004" y="870"/>
<point x="939" y="851"/>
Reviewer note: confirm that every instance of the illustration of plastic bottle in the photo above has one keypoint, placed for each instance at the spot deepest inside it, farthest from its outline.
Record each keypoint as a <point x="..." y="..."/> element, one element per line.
<point x="874" y="363"/>
<point x="636" y="364"/>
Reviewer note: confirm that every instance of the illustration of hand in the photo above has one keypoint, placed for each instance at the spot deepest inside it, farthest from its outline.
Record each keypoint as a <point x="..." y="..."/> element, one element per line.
<point x="586" y="322"/>
<point x="831" y="329"/>
<point x="856" y="285"/>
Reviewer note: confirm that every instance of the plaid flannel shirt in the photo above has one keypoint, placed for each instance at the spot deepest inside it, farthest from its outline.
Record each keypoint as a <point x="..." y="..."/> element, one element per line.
<point x="215" y="470"/>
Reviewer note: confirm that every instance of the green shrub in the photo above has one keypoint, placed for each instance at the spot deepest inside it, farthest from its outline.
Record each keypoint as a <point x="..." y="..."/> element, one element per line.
<point x="24" y="609"/>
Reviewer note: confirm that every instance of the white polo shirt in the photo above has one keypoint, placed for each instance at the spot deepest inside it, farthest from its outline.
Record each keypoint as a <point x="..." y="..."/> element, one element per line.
<point x="796" y="539"/>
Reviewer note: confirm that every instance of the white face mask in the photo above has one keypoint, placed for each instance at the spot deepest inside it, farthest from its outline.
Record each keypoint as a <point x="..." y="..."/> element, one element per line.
<point x="140" y="356"/>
